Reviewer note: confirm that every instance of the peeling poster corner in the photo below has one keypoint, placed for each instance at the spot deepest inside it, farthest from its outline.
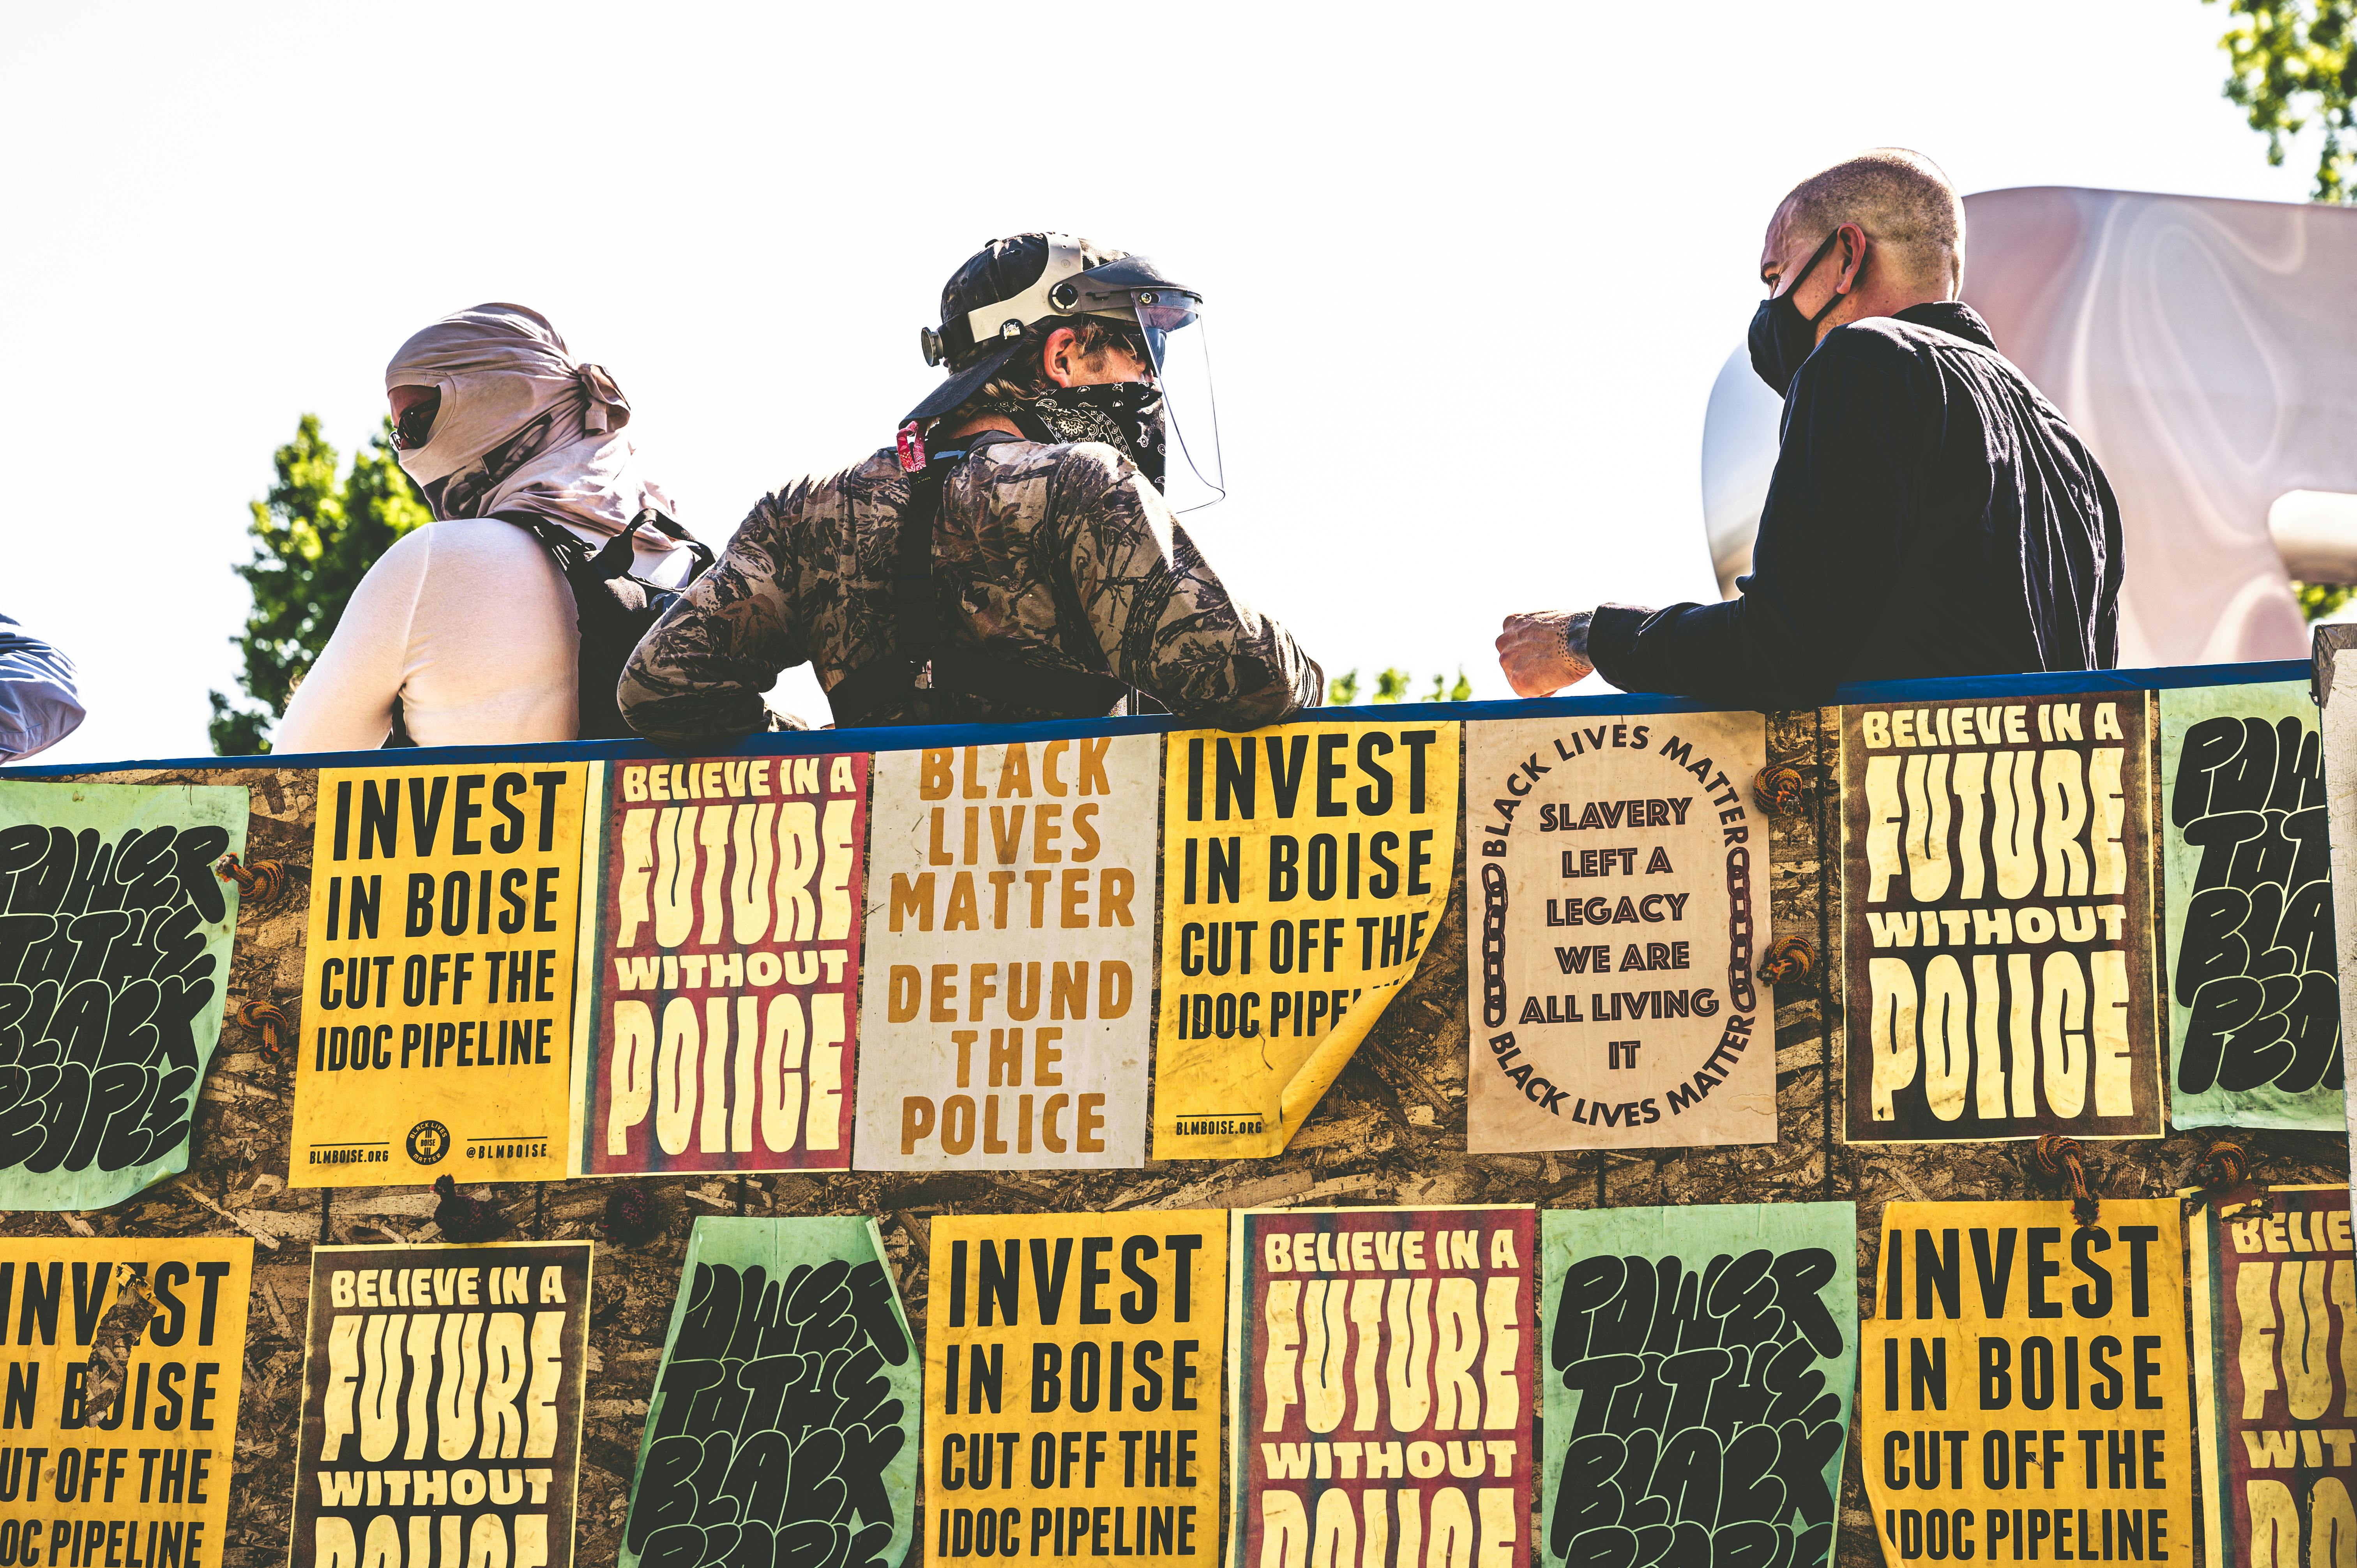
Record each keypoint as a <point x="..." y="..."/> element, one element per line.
<point x="1305" y="871"/>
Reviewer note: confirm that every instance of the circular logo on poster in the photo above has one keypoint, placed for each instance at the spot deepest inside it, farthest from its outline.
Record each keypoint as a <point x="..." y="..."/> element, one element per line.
<point x="429" y="1142"/>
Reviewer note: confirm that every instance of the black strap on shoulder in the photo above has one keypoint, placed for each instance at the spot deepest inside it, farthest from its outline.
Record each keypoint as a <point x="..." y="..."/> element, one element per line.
<point x="925" y="660"/>
<point x="612" y="561"/>
<point x="399" y="734"/>
<point x="890" y="678"/>
<point x="613" y="607"/>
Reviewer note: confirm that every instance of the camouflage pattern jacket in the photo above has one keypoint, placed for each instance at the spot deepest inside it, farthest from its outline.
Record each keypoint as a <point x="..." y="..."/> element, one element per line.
<point x="1062" y="556"/>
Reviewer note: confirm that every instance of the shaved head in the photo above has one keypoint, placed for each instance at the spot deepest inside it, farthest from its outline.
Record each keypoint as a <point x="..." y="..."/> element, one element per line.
<point x="1899" y="199"/>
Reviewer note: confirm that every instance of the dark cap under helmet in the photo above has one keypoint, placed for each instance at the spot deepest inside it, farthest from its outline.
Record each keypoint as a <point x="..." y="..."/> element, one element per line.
<point x="1011" y="285"/>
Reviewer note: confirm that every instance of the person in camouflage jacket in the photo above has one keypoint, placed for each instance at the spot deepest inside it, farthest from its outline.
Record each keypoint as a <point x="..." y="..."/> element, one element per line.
<point x="1053" y="549"/>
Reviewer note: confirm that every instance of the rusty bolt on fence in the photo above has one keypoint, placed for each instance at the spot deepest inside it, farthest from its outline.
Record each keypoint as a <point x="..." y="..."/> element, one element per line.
<point x="1779" y="790"/>
<point x="257" y="885"/>
<point x="2226" y="1165"/>
<point x="272" y="1020"/>
<point x="1788" y="961"/>
<point x="2062" y="1157"/>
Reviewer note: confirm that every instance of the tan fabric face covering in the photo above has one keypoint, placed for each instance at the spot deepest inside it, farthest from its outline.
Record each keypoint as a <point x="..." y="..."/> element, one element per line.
<point x="523" y="426"/>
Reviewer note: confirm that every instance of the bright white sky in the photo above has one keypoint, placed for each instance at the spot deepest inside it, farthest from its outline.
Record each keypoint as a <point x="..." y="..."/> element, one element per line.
<point x="1471" y="268"/>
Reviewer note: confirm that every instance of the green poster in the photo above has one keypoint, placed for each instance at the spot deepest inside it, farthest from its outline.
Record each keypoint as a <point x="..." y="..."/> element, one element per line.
<point x="786" y="1407"/>
<point x="2253" y="996"/>
<point x="1696" y="1381"/>
<point x="115" y="929"/>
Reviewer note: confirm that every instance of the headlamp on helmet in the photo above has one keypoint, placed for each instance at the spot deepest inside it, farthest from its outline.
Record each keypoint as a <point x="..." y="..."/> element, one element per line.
<point x="990" y="306"/>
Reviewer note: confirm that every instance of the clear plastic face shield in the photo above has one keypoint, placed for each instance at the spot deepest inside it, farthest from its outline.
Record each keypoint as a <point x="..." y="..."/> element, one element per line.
<point x="1170" y="323"/>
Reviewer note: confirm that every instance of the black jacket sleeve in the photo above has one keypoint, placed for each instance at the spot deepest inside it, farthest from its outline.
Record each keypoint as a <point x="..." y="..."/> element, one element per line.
<point x="1832" y="534"/>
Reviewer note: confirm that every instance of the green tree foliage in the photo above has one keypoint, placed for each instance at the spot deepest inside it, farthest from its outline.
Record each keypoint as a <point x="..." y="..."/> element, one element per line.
<point x="2293" y="66"/>
<point x="2317" y="600"/>
<point x="1392" y="686"/>
<point x="315" y="535"/>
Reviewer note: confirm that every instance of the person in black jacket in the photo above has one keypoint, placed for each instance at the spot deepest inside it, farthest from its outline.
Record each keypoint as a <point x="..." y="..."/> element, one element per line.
<point x="1930" y="512"/>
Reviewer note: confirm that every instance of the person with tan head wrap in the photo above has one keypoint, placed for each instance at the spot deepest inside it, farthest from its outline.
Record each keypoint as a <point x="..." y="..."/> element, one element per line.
<point x="467" y="621"/>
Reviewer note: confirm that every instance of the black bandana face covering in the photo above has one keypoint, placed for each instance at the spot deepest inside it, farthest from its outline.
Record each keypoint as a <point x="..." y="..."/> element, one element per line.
<point x="1125" y="416"/>
<point x="1781" y="337"/>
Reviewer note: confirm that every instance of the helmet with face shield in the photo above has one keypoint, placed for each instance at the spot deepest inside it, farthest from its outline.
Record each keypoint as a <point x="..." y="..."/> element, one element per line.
<point x="1008" y="298"/>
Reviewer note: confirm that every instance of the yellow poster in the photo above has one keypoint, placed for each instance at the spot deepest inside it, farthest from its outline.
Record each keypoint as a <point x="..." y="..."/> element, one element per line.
<point x="2024" y="1393"/>
<point x="1073" y="1385"/>
<point x="1304" y="871"/>
<point x="125" y="1360"/>
<point x="446" y="912"/>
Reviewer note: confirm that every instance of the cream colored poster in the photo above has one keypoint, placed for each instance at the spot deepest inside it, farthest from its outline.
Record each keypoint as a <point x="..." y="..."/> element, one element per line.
<point x="2023" y="1393"/>
<point x="1617" y="873"/>
<point x="126" y="1356"/>
<point x="438" y="1016"/>
<point x="1005" y="1014"/>
<point x="1304" y="871"/>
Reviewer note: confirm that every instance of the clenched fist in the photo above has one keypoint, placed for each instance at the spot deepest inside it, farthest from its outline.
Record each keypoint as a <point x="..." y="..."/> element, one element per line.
<point x="1544" y="650"/>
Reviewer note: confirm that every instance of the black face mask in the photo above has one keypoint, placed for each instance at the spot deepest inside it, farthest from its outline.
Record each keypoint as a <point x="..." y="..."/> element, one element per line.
<point x="1781" y="337"/>
<point x="1125" y="416"/>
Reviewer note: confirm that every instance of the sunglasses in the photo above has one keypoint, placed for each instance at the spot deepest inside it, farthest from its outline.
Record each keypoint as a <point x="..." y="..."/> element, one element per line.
<point x="416" y="423"/>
